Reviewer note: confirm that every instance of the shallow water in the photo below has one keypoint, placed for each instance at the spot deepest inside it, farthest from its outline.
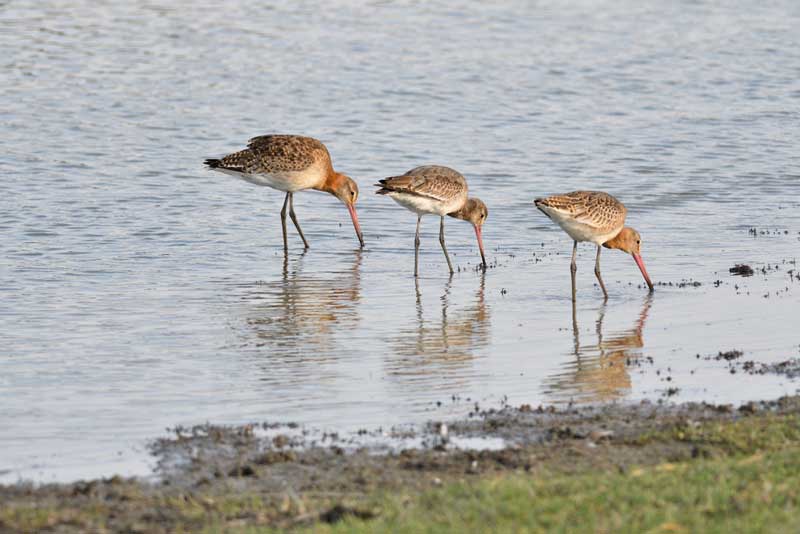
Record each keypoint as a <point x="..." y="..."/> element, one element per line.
<point x="141" y="291"/>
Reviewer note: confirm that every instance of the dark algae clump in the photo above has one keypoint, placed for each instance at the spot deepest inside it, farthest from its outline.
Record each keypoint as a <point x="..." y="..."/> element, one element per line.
<point x="729" y="355"/>
<point x="741" y="269"/>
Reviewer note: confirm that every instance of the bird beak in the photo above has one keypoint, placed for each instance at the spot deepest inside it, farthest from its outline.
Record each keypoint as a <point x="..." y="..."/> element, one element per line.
<point x="480" y="244"/>
<point x="353" y="215"/>
<point x="638" y="259"/>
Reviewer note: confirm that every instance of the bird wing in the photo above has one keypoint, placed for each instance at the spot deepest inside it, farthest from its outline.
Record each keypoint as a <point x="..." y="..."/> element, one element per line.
<point x="592" y="208"/>
<point x="431" y="181"/>
<point x="274" y="153"/>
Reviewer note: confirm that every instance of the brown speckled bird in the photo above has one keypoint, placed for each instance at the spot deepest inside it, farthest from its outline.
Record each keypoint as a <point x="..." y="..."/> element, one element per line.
<point x="436" y="190"/>
<point x="291" y="163"/>
<point x="596" y="217"/>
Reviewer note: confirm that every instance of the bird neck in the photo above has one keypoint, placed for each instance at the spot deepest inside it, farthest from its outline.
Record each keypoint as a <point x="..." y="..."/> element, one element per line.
<point x="462" y="213"/>
<point x="619" y="242"/>
<point x="333" y="181"/>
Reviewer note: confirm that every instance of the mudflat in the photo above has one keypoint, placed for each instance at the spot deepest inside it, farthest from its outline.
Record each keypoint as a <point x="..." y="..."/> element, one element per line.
<point x="264" y="477"/>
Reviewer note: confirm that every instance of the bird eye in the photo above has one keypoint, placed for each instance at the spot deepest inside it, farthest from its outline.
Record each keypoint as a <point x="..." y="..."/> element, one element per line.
<point x="352" y="193"/>
<point x="638" y="242"/>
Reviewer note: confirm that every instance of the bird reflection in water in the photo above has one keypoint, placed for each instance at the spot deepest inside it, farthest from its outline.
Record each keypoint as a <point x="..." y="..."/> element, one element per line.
<point x="442" y="346"/>
<point x="599" y="371"/>
<point x="303" y="317"/>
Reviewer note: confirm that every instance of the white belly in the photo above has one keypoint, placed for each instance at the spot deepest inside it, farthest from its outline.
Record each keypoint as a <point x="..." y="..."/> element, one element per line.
<point x="584" y="232"/>
<point x="287" y="181"/>
<point x="579" y="231"/>
<point x="424" y="205"/>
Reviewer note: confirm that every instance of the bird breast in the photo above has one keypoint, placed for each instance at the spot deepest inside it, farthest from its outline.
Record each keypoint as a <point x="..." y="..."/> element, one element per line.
<point x="422" y="205"/>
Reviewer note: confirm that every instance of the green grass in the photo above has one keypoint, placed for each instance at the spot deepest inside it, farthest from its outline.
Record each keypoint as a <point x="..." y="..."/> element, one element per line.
<point x="760" y="493"/>
<point x="745" y="436"/>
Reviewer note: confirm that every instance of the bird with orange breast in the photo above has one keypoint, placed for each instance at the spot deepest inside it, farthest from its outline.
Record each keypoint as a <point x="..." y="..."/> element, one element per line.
<point x="436" y="190"/>
<point x="598" y="218"/>
<point x="291" y="163"/>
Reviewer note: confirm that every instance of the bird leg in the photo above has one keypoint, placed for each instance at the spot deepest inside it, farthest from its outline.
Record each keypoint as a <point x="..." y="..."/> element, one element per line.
<point x="573" y="268"/>
<point x="416" y="247"/>
<point x="283" y="223"/>
<point x="294" y="219"/>
<point x="444" y="247"/>
<point x="597" y="273"/>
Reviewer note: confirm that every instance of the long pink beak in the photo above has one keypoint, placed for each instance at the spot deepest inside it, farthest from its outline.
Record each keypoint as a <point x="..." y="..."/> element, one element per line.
<point x="638" y="259"/>
<point x="480" y="244"/>
<point x="353" y="215"/>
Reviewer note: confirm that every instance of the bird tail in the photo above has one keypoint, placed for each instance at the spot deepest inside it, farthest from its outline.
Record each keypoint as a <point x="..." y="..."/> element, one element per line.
<point x="213" y="163"/>
<point x="385" y="186"/>
<point x="392" y="183"/>
<point x="542" y="203"/>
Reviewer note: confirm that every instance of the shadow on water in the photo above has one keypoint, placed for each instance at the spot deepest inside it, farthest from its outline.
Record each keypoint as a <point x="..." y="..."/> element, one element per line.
<point x="444" y="342"/>
<point x="599" y="371"/>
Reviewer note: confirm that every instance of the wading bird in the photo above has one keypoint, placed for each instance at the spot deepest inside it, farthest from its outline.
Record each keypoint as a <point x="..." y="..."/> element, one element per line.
<point x="596" y="217"/>
<point x="291" y="163"/>
<point x="436" y="190"/>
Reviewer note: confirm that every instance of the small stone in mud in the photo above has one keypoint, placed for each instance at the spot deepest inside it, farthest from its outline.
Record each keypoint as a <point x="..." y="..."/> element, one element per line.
<point x="750" y="408"/>
<point x="741" y="269"/>
<point x="242" y="471"/>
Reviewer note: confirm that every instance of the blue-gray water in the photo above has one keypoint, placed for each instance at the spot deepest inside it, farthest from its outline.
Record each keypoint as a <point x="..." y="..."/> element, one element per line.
<point x="141" y="291"/>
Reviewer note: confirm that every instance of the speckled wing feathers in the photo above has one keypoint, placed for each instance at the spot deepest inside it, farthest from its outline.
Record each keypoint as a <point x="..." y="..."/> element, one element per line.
<point x="593" y="208"/>
<point x="431" y="181"/>
<point x="275" y="153"/>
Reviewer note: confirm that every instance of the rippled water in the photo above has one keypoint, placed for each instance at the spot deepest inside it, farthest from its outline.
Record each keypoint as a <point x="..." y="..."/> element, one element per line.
<point x="141" y="291"/>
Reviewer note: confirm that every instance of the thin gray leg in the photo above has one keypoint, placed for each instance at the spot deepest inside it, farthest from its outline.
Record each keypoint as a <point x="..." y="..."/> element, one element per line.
<point x="444" y="247"/>
<point x="573" y="268"/>
<point x="283" y="223"/>
<point x="597" y="273"/>
<point x="576" y="333"/>
<point x="294" y="219"/>
<point x="416" y="247"/>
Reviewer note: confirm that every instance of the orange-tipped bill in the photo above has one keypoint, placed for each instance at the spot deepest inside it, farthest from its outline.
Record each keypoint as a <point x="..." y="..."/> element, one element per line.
<point x="638" y="259"/>
<point x="354" y="216"/>
<point x="480" y="244"/>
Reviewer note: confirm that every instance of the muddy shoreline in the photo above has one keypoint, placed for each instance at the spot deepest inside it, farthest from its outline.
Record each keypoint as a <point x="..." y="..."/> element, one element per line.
<point x="300" y="478"/>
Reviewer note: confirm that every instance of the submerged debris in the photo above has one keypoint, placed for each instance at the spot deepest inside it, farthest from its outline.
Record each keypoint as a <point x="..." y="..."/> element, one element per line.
<point x="683" y="283"/>
<point x="729" y="355"/>
<point x="741" y="269"/>
<point x="789" y="368"/>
